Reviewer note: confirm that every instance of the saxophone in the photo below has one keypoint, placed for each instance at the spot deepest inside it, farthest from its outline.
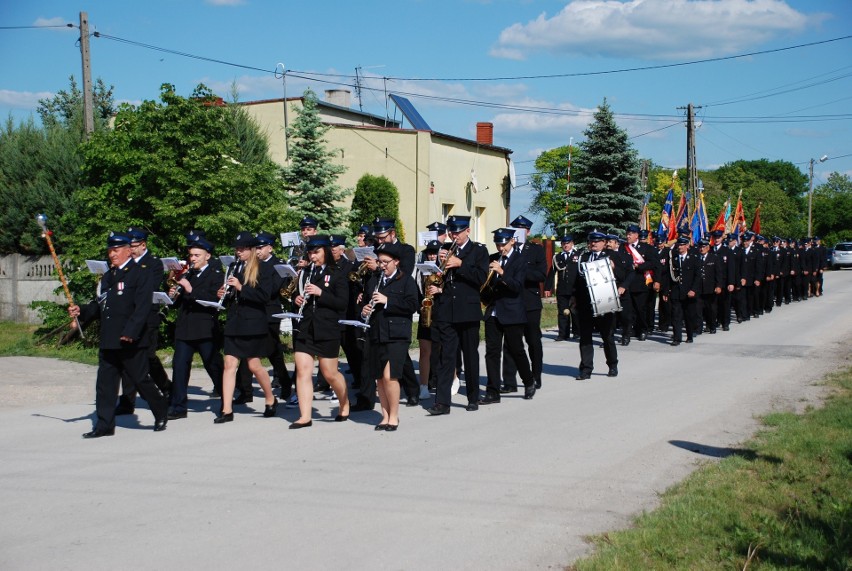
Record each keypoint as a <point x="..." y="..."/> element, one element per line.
<point x="437" y="280"/>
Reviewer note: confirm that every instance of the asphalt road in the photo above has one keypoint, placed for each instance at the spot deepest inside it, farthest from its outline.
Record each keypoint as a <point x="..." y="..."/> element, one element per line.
<point x="512" y="486"/>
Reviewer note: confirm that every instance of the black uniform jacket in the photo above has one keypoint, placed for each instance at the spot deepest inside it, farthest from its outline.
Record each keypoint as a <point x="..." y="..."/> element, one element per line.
<point x="508" y="291"/>
<point x="563" y="279"/>
<point x="392" y="322"/>
<point x="459" y="301"/>
<point x="273" y="304"/>
<point x="247" y="314"/>
<point x="154" y="266"/>
<point x="123" y="307"/>
<point x="687" y="276"/>
<point x="321" y="314"/>
<point x="195" y="321"/>
<point x="751" y="266"/>
<point x="649" y="255"/>
<point x="536" y="273"/>
<point x="712" y="273"/>
<point x="623" y="270"/>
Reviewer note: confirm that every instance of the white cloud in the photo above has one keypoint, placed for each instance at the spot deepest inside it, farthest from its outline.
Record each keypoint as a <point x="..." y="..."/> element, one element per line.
<point x="653" y="29"/>
<point x="57" y="21"/>
<point x="22" y="99"/>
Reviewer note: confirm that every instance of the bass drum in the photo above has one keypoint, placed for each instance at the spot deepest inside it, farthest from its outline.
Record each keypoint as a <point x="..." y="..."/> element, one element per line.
<point x="602" y="287"/>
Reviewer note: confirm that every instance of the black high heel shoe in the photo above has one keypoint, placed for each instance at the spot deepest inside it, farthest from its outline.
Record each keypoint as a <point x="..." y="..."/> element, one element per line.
<point x="223" y="418"/>
<point x="270" y="409"/>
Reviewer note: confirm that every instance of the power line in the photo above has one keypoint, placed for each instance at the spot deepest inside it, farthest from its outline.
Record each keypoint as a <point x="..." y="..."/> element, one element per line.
<point x="37" y="27"/>
<point x="621" y="70"/>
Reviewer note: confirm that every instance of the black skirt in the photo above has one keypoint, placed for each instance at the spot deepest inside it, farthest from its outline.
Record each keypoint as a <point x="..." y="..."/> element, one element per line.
<point x="327" y="348"/>
<point x="394" y="353"/>
<point x="246" y="346"/>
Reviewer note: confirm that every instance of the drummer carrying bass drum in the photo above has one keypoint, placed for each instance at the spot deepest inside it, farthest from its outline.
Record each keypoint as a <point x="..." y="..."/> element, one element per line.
<point x="605" y="324"/>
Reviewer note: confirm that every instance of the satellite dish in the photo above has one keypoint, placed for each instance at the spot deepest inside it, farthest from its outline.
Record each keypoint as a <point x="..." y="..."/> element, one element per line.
<point x="474" y="184"/>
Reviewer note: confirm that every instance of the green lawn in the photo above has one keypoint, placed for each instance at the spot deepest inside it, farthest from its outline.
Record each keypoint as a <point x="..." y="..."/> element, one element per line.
<point x="781" y="501"/>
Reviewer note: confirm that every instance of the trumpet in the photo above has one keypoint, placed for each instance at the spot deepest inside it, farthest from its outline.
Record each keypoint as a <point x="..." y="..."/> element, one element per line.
<point x="173" y="281"/>
<point x="359" y="274"/>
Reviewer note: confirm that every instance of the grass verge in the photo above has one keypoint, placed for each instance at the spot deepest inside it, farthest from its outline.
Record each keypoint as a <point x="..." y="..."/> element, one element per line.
<point x="19" y="340"/>
<point x="782" y="501"/>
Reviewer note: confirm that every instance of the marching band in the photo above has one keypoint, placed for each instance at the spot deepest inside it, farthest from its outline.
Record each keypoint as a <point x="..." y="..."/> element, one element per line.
<point x="367" y="306"/>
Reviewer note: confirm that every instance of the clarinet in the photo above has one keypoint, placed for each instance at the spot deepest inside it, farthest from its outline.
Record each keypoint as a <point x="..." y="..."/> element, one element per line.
<point x="231" y="271"/>
<point x="306" y="296"/>
<point x="372" y="302"/>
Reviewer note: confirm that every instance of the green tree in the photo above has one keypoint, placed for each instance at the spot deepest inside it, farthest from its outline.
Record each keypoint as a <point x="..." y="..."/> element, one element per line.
<point x="832" y="209"/>
<point x="606" y="192"/>
<point x="66" y="107"/>
<point x="788" y="177"/>
<point x="311" y="175"/>
<point x="549" y="184"/>
<point x="39" y="169"/>
<point x="173" y="165"/>
<point x="375" y="196"/>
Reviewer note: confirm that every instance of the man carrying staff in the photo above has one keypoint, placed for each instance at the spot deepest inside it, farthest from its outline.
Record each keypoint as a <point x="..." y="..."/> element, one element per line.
<point x="123" y="307"/>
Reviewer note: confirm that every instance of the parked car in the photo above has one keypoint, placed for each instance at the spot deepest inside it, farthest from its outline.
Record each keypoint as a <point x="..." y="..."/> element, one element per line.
<point x="842" y="256"/>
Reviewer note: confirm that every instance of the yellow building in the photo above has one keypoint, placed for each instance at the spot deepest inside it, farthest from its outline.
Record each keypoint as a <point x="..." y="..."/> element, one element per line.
<point x="436" y="174"/>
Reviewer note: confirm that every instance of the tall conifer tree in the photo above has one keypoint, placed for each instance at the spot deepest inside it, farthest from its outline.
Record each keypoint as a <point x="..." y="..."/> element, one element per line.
<point x="311" y="176"/>
<point x="605" y="190"/>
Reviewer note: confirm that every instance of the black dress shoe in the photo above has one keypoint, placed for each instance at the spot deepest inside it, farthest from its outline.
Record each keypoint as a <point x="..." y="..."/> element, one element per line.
<point x="438" y="410"/>
<point x="413" y="401"/>
<point x="725" y="328"/>
<point x="529" y="392"/>
<point x="160" y="424"/>
<point x="98" y="432"/>
<point x="361" y="405"/>
<point x="674" y="343"/>
<point x="297" y="425"/>
<point x="472" y="406"/>
<point x="537" y="383"/>
<point x="243" y="399"/>
<point x="712" y="332"/>
<point x="642" y="336"/>
<point x="269" y="410"/>
<point x="583" y="376"/>
<point x="507" y="390"/>
<point x="379" y="427"/>
<point x="689" y="339"/>
<point x="223" y="418"/>
<point x="613" y="372"/>
<point x="341" y="418"/>
<point x="625" y="341"/>
<point x="490" y="399"/>
<point x="172" y="415"/>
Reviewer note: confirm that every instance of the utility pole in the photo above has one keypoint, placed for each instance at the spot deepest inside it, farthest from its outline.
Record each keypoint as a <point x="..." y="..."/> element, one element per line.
<point x="88" y="116"/>
<point x="691" y="166"/>
<point x="822" y="159"/>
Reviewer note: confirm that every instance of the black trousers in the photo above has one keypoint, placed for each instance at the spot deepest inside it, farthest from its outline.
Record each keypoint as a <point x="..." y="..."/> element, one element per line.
<point x="452" y="337"/>
<point x="708" y="303"/>
<point x="637" y="300"/>
<point x="683" y="312"/>
<point x="605" y="325"/>
<point x="496" y="334"/>
<point x="532" y="335"/>
<point x="723" y="313"/>
<point x="115" y="365"/>
<point x="156" y="371"/>
<point x="567" y="318"/>
<point x="665" y="317"/>
<point x="182" y="364"/>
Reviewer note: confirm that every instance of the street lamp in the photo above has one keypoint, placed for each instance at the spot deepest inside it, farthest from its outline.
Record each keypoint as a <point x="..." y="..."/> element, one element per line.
<point x="822" y="159"/>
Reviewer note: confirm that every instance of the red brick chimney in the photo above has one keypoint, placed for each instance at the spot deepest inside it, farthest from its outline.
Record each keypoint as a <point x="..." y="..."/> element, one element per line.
<point x="485" y="133"/>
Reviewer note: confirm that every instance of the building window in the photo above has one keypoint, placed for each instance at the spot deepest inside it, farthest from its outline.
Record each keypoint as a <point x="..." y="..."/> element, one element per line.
<point x="446" y="210"/>
<point x="478" y="224"/>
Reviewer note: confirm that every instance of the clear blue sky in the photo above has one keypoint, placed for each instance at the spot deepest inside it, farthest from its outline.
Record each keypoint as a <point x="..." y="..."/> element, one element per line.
<point x="789" y="105"/>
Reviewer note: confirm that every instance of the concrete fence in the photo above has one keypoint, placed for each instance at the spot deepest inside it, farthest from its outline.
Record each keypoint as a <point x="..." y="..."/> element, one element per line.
<point x="24" y="279"/>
